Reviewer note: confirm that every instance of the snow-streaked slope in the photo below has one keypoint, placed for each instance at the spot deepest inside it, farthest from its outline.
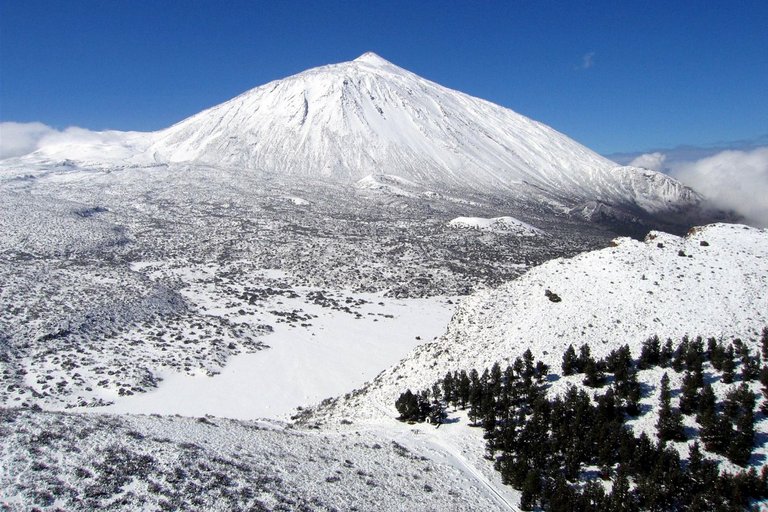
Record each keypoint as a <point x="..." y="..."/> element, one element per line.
<point x="56" y="461"/>
<point x="365" y="117"/>
<point x="711" y="282"/>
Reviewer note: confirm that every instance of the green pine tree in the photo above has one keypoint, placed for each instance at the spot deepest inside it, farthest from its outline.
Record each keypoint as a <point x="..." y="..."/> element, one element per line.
<point x="670" y="424"/>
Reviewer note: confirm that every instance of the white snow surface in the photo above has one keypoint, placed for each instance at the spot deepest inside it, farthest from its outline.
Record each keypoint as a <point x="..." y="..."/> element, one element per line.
<point x="336" y="353"/>
<point x="610" y="297"/>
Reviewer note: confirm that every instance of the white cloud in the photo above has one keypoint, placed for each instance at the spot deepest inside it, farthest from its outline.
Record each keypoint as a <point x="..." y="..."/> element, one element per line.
<point x="653" y="161"/>
<point x="18" y="139"/>
<point x="737" y="180"/>
<point x="587" y="60"/>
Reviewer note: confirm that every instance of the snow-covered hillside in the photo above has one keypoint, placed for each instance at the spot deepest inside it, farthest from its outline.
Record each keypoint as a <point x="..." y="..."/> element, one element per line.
<point x="365" y="118"/>
<point x="350" y="120"/>
<point x="710" y="283"/>
<point x="56" y="461"/>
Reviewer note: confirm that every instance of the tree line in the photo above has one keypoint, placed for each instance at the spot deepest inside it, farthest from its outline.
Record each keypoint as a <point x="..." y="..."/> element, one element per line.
<point x="560" y="451"/>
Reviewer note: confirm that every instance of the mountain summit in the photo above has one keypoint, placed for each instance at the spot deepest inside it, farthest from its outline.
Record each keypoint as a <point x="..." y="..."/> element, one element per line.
<point x="366" y="117"/>
<point x="372" y="58"/>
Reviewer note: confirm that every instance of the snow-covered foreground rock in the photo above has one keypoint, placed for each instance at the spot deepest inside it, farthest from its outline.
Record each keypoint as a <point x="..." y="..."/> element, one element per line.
<point x="709" y="283"/>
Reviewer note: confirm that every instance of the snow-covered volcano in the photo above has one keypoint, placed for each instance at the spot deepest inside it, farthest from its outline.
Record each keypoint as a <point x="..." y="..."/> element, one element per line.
<point x="357" y="121"/>
<point x="368" y="116"/>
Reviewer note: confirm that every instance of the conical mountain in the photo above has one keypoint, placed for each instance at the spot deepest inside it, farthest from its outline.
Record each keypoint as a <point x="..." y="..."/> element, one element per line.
<point x="366" y="117"/>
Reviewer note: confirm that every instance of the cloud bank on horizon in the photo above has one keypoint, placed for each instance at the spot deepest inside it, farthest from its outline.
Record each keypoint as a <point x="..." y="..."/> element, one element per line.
<point x="18" y="139"/>
<point x="732" y="179"/>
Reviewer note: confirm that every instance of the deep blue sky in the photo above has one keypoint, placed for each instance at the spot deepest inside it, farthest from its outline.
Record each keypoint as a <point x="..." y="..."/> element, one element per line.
<point x="660" y="73"/>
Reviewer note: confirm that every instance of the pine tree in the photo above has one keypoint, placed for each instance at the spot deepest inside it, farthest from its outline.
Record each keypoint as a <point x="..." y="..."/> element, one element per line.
<point x="592" y="498"/>
<point x="740" y="448"/>
<point x="570" y="361"/>
<point x="528" y="361"/>
<point x="706" y="404"/>
<point x="727" y="365"/>
<point x="620" y="363"/>
<point x="475" y="397"/>
<point x="716" y="433"/>
<point x="540" y="371"/>
<point x="681" y="352"/>
<point x="437" y="414"/>
<point x="632" y="398"/>
<point x="670" y="424"/>
<point x="694" y="358"/>
<point x="593" y="377"/>
<point x="717" y="355"/>
<point x="689" y="393"/>
<point x="750" y="366"/>
<point x="702" y="472"/>
<point x="463" y="389"/>
<point x="495" y="380"/>
<point x="437" y="391"/>
<point x="650" y="354"/>
<point x="585" y="354"/>
<point x="764" y="344"/>
<point x="764" y="382"/>
<point x="740" y="405"/>
<point x="667" y="352"/>
<point x="408" y="405"/>
<point x="711" y="348"/>
<point x="695" y="463"/>
<point x="449" y="391"/>
<point x="621" y="498"/>
<point x="530" y="491"/>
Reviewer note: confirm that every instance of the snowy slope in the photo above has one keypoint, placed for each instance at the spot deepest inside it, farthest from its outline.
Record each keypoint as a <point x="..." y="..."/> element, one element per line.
<point x="351" y="120"/>
<point x="56" y="461"/>
<point x="621" y="294"/>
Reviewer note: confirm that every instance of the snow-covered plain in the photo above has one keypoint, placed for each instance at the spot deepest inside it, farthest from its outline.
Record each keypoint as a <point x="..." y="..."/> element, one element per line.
<point x="302" y="365"/>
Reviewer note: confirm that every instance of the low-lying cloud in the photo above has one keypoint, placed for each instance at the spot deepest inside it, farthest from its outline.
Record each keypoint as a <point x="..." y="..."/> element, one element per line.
<point x="18" y="139"/>
<point x="732" y="179"/>
<point x="654" y="161"/>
